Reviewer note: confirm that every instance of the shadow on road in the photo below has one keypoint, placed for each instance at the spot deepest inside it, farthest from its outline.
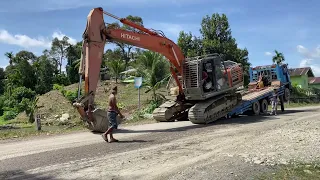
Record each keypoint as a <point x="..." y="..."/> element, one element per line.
<point x="19" y="174"/>
<point x="133" y="141"/>
<point x="238" y="120"/>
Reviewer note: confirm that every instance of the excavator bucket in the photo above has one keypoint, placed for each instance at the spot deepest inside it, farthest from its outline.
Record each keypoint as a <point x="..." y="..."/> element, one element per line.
<point x="100" y="121"/>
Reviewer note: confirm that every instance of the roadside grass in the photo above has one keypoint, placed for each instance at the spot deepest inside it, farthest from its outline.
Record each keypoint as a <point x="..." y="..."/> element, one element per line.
<point x="303" y="171"/>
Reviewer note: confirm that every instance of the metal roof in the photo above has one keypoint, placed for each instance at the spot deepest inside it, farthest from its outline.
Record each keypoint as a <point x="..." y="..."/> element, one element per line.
<point x="301" y="71"/>
<point x="314" y="80"/>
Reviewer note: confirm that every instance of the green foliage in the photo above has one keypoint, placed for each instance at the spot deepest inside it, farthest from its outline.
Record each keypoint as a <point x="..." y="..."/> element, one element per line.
<point x="126" y="49"/>
<point x="2" y="81"/>
<point x="70" y="95"/>
<point x="8" y="115"/>
<point x="2" y="99"/>
<point x="278" y="58"/>
<point x="154" y="68"/>
<point x="22" y="92"/>
<point x="153" y="104"/>
<point x="116" y="67"/>
<point x="215" y="38"/>
<point x="73" y="56"/>
<point x="61" y="79"/>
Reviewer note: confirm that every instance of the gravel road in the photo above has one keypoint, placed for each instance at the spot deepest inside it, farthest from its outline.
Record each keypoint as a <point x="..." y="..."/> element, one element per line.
<point x="238" y="148"/>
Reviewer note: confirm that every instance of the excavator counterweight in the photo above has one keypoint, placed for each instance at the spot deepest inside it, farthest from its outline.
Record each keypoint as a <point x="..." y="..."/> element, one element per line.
<point x="204" y="86"/>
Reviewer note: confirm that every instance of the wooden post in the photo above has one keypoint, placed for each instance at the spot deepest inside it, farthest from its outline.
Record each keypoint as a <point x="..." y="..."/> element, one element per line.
<point x="38" y="122"/>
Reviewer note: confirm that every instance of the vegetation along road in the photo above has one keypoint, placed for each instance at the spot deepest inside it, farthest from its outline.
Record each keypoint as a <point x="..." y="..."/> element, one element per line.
<point x="239" y="148"/>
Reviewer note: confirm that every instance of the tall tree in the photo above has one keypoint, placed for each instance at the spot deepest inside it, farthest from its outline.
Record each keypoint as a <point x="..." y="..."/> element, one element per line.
<point x="278" y="58"/>
<point x="58" y="51"/>
<point x="10" y="56"/>
<point x="25" y="55"/>
<point x="2" y="78"/>
<point x="126" y="49"/>
<point x="73" y="56"/>
<point x="44" y="71"/>
<point x="215" y="37"/>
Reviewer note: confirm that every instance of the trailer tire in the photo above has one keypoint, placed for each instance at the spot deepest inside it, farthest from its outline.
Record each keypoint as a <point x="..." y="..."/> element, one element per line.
<point x="286" y="95"/>
<point x="264" y="106"/>
<point x="256" y="108"/>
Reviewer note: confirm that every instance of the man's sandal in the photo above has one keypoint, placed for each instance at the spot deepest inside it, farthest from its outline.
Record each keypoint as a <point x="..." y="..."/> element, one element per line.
<point x="105" y="137"/>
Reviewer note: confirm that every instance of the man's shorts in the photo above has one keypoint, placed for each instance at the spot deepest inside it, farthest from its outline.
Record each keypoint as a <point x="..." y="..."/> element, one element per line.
<point x="112" y="117"/>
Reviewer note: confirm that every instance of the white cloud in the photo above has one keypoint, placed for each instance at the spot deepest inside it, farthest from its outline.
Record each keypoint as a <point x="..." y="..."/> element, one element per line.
<point x="30" y="42"/>
<point x="315" y="53"/>
<point x="310" y="58"/>
<point x="23" y="40"/>
<point x="268" y="53"/>
<point x="60" y="35"/>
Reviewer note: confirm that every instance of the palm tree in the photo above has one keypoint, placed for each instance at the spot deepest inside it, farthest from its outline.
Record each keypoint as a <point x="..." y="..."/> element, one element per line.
<point x="116" y="67"/>
<point x="10" y="56"/>
<point x="278" y="58"/>
<point x="31" y="109"/>
<point x="154" y="68"/>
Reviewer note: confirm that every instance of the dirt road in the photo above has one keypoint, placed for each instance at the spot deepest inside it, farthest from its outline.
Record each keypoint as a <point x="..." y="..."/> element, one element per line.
<point x="238" y="148"/>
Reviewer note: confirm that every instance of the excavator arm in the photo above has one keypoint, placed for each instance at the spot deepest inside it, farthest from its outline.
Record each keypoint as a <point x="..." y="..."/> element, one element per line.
<point x="97" y="34"/>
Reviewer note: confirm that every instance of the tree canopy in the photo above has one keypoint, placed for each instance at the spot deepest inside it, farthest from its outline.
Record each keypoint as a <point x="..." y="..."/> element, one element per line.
<point x="216" y="37"/>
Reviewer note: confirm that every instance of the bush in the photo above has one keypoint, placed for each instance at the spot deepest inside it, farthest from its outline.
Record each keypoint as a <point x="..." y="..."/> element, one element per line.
<point x="71" y="95"/>
<point x="22" y="92"/>
<point x="8" y="115"/>
<point x="62" y="79"/>
<point x="57" y="87"/>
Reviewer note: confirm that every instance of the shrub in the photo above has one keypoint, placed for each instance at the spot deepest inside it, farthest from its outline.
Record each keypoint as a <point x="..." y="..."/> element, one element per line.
<point x="8" y="115"/>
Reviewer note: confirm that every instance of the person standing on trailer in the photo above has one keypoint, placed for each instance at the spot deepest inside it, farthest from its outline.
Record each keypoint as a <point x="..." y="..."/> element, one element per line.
<point x="274" y="102"/>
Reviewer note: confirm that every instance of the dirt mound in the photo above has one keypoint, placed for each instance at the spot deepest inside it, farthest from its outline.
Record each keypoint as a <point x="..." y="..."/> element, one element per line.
<point x="54" y="106"/>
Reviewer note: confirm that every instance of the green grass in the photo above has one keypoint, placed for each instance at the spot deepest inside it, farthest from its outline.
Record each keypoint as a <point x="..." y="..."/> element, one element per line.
<point x="299" y="171"/>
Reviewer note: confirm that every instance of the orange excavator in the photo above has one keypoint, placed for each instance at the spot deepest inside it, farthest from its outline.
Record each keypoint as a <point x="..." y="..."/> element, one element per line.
<point x="204" y="87"/>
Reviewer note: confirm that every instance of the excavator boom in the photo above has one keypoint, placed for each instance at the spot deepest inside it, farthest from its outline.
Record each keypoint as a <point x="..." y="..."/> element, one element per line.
<point x="97" y="34"/>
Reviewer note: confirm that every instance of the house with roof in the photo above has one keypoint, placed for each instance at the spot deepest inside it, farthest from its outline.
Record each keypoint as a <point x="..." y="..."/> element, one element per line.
<point x="314" y="82"/>
<point x="301" y="76"/>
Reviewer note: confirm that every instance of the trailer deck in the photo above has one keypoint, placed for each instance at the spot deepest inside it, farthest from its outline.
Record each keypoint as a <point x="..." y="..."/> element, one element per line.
<point x="249" y="98"/>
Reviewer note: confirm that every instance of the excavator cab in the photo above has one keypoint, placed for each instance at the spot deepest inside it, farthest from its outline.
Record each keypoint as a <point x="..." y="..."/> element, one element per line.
<point x="208" y="76"/>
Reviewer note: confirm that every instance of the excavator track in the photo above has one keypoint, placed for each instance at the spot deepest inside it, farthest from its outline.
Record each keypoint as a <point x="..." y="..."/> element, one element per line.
<point x="169" y="112"/>
<point x="213" y="109"/>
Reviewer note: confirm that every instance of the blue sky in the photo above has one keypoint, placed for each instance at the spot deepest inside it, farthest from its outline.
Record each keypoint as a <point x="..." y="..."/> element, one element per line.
<point x="261" y="26"/>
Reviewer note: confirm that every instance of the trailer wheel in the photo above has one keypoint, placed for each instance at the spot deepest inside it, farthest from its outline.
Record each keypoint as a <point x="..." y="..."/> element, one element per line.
<point x="256" y="108"/>
<point x="264" y="106"/>
<point x="286" y="94"/>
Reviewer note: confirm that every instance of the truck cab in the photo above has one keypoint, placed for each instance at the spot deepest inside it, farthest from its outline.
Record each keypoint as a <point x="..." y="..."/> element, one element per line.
<point x="272" y="75"/>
